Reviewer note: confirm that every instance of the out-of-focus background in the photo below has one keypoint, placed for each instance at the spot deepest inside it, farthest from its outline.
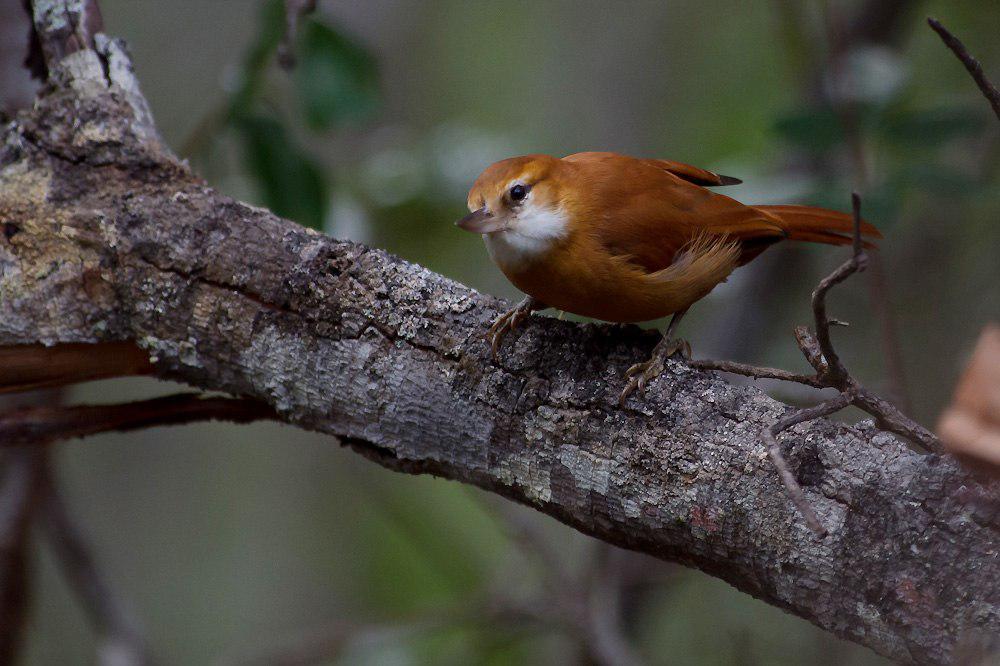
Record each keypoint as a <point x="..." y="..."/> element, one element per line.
<point x="238" y="543"/>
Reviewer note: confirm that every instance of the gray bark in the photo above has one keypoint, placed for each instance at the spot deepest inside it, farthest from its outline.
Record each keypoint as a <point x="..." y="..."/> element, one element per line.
<point x="109" y="237"/>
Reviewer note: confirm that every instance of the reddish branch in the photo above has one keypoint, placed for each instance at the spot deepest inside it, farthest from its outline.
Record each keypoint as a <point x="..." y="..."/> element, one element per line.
<point x="29" y="367"/>
<point x="33" y="425"/>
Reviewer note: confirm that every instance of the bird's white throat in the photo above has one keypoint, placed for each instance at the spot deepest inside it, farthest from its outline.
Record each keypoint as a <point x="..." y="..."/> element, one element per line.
<point x="530" y="233"/>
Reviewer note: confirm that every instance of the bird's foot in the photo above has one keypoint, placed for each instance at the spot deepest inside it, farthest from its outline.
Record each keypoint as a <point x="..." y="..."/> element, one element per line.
<point x="508" y="321"/>
<point x="641" y="374"/>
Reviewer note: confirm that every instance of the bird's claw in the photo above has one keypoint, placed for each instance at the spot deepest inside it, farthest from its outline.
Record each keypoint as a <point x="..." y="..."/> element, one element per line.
<point x="640" y="374"/>
<point x="506" y="323"/>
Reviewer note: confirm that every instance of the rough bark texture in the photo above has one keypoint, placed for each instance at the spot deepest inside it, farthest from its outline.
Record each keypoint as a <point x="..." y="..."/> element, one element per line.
<point x="108" y="237"/>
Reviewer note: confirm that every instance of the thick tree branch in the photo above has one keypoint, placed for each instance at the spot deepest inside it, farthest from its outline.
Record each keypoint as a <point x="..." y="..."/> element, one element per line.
<point x="112" y="239"/>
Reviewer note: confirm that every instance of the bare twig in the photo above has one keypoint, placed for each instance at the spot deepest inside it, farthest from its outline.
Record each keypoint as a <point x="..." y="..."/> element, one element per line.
<point x="890" y="418"/>
<point x="843" y="39"/>
<point x="121" y="633"/>
<point x="603" y="629"/>
<point x="294" y="11"/>
<point x="756" y="372"/>
<point x="44" y="425"/>
<point x="835" y="371"/>
<point x="18" y="493"/>
<point x="973" y="66"/>
<point x="770" y="436"/>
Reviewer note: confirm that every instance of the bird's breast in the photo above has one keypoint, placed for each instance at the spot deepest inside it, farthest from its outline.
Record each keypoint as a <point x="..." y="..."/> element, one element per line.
<point x="580" y="279"/>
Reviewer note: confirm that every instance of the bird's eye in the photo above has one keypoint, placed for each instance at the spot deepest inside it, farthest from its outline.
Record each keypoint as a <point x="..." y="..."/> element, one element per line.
<point x="518" y="192"/>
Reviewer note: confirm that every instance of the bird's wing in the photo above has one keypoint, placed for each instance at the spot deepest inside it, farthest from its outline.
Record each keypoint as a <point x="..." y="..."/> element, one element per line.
<point x="692" y="174"/>
<point x="641" y="210"/>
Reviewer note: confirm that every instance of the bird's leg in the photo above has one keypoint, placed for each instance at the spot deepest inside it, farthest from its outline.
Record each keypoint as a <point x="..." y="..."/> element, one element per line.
<point x="642" y="373"/>
<point x="509" y="320"/>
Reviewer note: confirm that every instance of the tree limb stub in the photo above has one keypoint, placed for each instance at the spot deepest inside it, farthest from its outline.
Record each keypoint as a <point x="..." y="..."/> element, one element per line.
<point x="109" y="238"/>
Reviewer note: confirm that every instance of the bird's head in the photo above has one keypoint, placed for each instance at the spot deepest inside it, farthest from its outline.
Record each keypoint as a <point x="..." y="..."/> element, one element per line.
<point x="516" y="202"/>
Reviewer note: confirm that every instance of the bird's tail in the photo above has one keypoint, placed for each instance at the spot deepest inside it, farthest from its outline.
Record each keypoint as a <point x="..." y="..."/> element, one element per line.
<point x="818" y="225"/>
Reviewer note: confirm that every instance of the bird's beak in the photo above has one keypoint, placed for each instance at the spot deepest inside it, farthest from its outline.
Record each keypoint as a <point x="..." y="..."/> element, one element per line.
<point x="481" y="222"/>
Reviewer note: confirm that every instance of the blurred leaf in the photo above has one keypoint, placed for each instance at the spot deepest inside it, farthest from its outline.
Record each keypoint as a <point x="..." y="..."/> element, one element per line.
<point x="289" y="182"/>
<point x="932" y="127"/>
<point x="259" y="55"/>
<point x="816" y="130"/>
<point x="938" y="179"/>
<point x="337" y="79"/>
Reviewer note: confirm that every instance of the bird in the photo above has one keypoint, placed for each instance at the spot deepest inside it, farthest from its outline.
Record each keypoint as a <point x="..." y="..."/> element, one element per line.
<point x="625" y="239"/>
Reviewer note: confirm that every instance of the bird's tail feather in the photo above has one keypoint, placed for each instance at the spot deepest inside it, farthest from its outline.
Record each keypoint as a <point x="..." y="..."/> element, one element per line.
<point x="818" y="225"/>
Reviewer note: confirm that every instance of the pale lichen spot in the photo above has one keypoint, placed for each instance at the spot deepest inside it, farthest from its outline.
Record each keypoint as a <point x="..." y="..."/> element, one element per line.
<point x="516" y="470"/>
<point x="590" y="472"/>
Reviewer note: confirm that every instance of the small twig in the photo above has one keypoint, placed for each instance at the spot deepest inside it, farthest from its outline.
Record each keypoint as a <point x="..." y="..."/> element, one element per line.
<point x="835" y="370"/>
<point x="602" y="629"/>
<point x="889" y="417"/>
<point x="770" y="436"/>
<point x="973" y="66"/>
<point x="294" y="11"/>
<point x="121" y="633"/>
<point x="18" y="494"/>
<point x="757" y="372"/>
<point x="878" y="287"/>
<point x="45" y="425"/>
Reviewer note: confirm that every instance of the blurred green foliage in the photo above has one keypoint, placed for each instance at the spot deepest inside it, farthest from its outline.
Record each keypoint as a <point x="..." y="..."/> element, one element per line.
<point x="915" y="146"/>
<point x="336" y="83"/>
<point x="289" y="181"/>
<point x="336" y="79"/>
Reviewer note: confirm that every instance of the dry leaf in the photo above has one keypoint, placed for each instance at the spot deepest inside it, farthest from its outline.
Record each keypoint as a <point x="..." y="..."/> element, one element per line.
<point x="970" y="427"/>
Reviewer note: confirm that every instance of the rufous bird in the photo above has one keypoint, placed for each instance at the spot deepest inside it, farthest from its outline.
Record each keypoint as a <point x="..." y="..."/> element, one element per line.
<point x="624" y="239"/>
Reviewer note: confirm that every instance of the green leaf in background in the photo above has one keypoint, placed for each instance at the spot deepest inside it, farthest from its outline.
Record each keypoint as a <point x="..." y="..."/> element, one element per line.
<point x="816" y="130"/>
<point x="337" y="79"/>
<point x="940" y="179"/>
<point x="290" y="183"/>
<point x="933" y="127"/>
<point x="259" y="55"/>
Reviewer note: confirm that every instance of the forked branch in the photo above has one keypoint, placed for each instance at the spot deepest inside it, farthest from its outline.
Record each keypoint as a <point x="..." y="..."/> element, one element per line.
<point x="830" y="372"/>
